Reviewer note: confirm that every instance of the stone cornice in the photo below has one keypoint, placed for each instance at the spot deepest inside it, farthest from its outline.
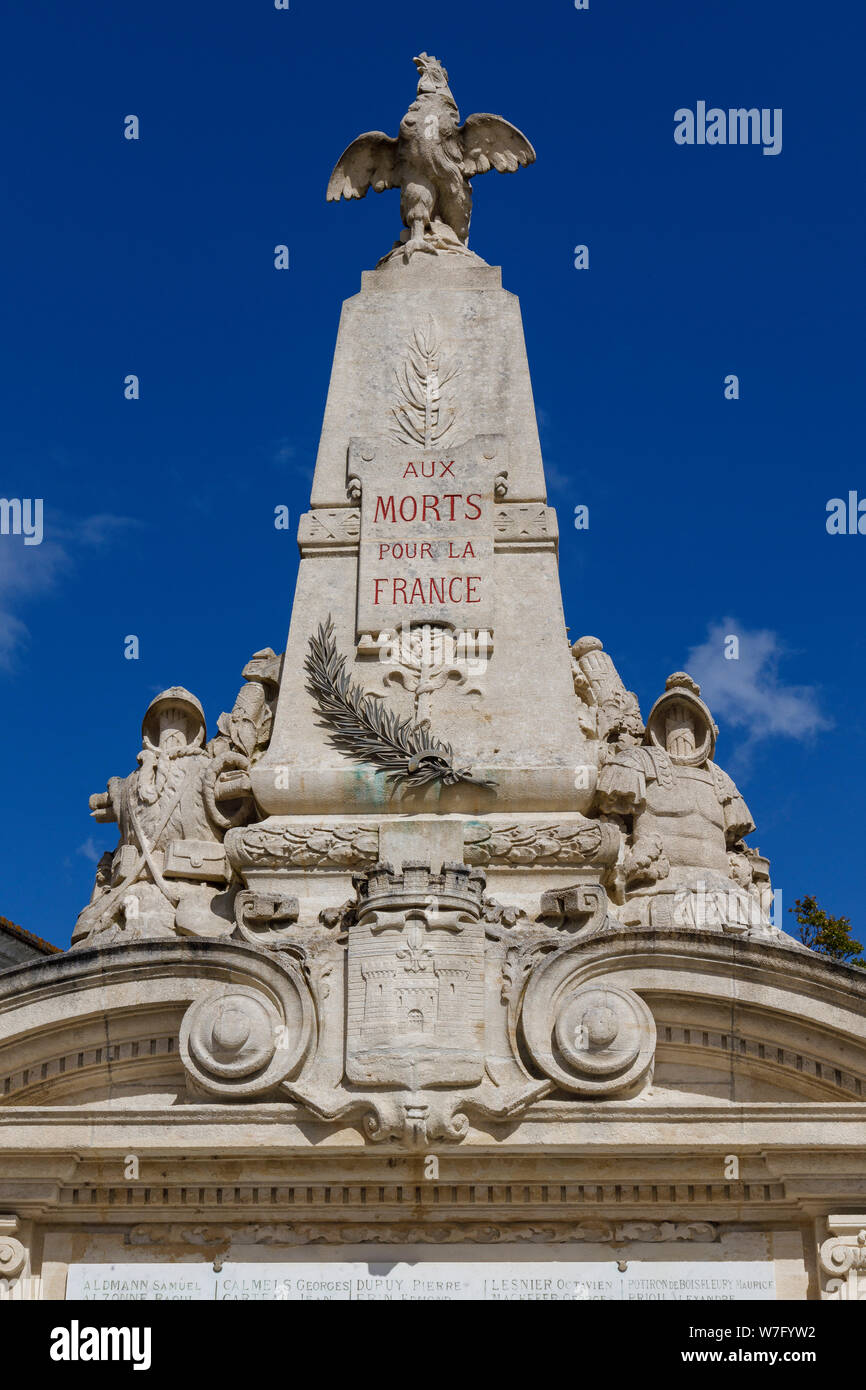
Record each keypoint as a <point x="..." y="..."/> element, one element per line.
<point x="607" y="1125"/>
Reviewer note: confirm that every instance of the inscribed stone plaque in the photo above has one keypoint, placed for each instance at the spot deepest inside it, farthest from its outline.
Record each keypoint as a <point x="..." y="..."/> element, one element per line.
<point x="426" y="546"/>
<point x="379" y="1280"/>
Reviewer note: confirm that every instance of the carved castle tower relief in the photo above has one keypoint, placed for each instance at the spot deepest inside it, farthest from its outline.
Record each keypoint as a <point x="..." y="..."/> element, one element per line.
<point x="415" y="996"/>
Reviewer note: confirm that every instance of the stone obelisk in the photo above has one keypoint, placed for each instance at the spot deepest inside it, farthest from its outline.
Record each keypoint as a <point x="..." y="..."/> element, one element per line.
<point x="429" y="545"/>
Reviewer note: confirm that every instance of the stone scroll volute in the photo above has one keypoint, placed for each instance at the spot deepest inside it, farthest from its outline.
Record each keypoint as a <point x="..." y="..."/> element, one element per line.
<point x="591" y="1037"/>
<point x="240" y="1040"/>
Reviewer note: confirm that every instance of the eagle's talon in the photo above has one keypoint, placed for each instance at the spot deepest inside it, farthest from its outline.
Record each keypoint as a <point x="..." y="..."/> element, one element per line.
<point x="417" y="244"/>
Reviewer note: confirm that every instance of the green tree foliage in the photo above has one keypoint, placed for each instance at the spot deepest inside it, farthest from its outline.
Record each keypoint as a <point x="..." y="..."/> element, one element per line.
<point x="830" y="936"/>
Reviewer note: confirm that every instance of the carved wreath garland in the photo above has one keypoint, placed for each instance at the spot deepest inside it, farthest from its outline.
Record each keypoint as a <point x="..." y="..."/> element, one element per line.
<point x="366" y="731"/>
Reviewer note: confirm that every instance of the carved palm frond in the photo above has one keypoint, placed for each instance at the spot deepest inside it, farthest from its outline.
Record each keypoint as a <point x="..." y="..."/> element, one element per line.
<point x="366" y="731"/>
<point x="420" y="380"/>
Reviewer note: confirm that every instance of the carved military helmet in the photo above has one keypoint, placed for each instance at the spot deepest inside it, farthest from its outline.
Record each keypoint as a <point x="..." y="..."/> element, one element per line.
<point x="175" y="697"/>
<point x="681" y="723"/>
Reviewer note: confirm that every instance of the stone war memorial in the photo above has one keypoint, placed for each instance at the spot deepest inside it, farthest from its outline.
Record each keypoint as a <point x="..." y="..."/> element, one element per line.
<point x="437" y="969"/>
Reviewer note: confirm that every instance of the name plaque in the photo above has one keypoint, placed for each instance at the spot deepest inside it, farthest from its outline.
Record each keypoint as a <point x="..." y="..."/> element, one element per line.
<point x="378" y="1280"/>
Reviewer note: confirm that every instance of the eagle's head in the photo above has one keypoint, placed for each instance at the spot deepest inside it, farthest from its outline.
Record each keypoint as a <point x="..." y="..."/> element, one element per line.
<point x="432" y="77"/>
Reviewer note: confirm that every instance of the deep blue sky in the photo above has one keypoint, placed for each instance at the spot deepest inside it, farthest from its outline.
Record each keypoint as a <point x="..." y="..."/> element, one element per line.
<point x="707" y="516"/>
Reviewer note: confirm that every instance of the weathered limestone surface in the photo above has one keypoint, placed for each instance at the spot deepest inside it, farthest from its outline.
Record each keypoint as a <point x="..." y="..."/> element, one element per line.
<point x="473" y="332"/>
<point x="436" y="943"/>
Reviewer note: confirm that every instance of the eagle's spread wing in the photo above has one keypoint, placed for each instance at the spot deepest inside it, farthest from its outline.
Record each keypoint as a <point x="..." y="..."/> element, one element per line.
<point x="491" y="142"/>
<point x="370" y="161"/>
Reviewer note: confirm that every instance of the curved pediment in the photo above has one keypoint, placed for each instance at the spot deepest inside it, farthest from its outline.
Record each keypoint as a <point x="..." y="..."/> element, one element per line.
<point x="736" y="1020"/>
<point x="105" y="1027"/>
<point x="713" y="1019"/>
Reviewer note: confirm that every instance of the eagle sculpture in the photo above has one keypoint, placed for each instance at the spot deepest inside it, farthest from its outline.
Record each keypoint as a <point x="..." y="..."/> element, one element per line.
<point x="431" y="161"/>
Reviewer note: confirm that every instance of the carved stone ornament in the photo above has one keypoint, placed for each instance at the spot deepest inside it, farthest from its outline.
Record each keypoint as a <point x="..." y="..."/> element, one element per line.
<point x="332" y="530"/>
<point x="265" y="919"/>
<point x="13" y="1252"/>
<point x="422" y="416"/>
<point x="426" y="658"/>
<point x="594" y="1038"/>
<point x="416" y="978"/>
<point x="843" y="1257"/>
<point x="237" y="1041"/>
<point x="521" y="525"/>
<point x="581" y="909"/>
<point x="399" y="982"/>
<point x="572" y="842"/>
<point x="364" y="730"/>
<point x="278" y="1233"/>
<point x="431" y="161"/>
<point x="349" y="846"/>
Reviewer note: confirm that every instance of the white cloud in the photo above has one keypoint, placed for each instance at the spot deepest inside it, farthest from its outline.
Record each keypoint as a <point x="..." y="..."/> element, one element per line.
<point x="13" y="634"/>
<point x="748" y="692"/>
<point x="90" y="850"/>
<point x="29" y="572"/>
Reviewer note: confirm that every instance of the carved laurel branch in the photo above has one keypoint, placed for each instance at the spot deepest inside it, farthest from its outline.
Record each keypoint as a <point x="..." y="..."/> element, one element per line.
<point x="362" y="728"/>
